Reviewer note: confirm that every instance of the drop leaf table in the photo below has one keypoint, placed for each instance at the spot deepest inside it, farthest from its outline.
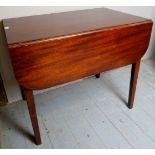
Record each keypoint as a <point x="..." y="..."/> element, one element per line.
<point x="52" y="49"/>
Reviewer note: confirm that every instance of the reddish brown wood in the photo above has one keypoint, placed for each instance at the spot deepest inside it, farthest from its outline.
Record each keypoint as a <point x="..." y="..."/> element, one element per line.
<point x="64" y="24"/>
<point x="48" y="45"/>
<point x="28" y="95"/>
<point x="75" y="57"/>
<point x="97" y="76"/>
<point x="53" y="49"/>
<point x="133" y="83"/>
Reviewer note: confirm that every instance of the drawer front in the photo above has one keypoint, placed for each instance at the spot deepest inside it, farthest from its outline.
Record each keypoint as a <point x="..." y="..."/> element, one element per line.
<point x="47" y="63"/>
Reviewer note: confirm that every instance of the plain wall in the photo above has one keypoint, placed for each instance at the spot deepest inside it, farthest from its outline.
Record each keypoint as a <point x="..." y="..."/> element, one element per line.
<point x="10" y="84"/>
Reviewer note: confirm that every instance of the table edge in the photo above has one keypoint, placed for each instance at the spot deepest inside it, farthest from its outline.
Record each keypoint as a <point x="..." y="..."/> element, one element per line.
<point x="43" y="40"/>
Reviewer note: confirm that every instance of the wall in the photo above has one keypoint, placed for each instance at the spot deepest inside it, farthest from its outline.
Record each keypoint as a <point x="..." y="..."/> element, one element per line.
<point x="11" y="86"/>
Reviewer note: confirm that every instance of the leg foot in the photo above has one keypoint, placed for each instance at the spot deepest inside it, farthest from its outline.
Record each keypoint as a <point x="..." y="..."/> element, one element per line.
<point x="33" y="115"/>
<point x="97" y="76"/>
<point x="133" y="83"/>
<point x="22" y="92"/>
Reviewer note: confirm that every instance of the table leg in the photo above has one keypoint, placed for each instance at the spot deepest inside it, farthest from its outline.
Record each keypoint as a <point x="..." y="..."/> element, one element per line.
<point x="133" y="83"/>
<point x="28" y="95"/>
<point x="97" y="76"/>
<point x="22" y="93"/>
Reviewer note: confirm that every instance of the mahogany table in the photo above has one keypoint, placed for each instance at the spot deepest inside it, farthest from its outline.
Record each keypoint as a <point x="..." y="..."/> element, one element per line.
<point x="48" y="50"/>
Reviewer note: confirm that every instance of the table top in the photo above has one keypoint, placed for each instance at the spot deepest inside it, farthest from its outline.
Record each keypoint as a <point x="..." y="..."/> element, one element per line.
<point x="32" y="28"/>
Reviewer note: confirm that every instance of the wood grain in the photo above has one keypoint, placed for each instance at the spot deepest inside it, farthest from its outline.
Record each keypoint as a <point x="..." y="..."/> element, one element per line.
<point x="48" y="26"/>
<point x="44" y="64"/>
<point x="59" y="51"/>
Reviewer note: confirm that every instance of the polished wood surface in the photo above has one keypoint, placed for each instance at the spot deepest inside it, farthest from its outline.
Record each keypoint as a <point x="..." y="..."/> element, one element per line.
<point x="49" y="50"/>
<point x="57" y="61"/>
<point x="28" y="95"/>
<point x="64" y="24"/>
<point x="133" y="83"/>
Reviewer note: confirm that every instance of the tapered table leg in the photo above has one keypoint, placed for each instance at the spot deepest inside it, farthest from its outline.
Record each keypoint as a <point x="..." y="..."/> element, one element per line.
<point x="133" y="83"/>
<point x="28" y="95"/>
<point x="97" y="75"/>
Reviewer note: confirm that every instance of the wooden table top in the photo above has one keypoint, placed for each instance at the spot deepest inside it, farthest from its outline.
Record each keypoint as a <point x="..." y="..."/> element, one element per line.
<point x="31" y="28"/>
